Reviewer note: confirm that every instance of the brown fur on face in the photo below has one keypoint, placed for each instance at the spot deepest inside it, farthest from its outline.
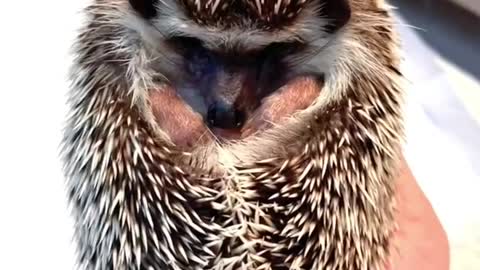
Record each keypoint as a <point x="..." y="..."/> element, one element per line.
<point x="187" y="129"/>
<point x="297" y="95"/>
<point x="184" y="126"/>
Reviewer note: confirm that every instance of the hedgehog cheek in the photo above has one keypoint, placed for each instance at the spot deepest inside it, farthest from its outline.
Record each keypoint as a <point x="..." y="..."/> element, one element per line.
<point x="184" y="127"/>
<point x="295" y="96"/>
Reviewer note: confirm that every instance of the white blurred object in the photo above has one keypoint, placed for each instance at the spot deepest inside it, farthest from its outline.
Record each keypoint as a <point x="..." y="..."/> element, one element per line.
<point x="35" y="228"/>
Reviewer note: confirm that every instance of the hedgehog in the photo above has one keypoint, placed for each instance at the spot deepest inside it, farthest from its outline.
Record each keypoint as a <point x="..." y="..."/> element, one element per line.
<point x="241" y="134"/>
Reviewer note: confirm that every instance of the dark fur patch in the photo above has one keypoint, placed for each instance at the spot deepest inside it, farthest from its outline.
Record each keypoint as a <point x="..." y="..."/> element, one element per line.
<point x="146" y="8"/>
<point x="338" y="11"/>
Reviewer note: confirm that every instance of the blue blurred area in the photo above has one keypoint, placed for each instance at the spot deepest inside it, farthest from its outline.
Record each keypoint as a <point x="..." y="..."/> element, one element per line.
<point x="451" y="30"/>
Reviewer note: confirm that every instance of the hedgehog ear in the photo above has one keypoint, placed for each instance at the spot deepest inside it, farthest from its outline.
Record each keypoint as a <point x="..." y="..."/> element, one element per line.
<point x="146" y="8"/>
<point x="338" y="13"/>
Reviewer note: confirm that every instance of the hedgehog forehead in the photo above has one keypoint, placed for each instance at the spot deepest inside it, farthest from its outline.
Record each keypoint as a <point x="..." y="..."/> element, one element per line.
<point x="264" y="14"/>
<point x="242" y="24"/>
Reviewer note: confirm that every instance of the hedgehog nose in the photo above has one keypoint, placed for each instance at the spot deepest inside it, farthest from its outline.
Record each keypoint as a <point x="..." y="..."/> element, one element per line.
<point x="225" y="116"/>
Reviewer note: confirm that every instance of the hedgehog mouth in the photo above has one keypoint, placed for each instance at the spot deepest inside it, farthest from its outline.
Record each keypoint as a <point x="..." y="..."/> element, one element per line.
<point x="223" y="134"/>
<point x="275" y="109"/>
<point x="188" y="129"/>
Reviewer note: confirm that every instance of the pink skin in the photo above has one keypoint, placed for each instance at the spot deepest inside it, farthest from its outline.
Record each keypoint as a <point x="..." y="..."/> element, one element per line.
<point x="420" y="243"/>
<point x="297" y="95"/>
<point x="186" y="127"/>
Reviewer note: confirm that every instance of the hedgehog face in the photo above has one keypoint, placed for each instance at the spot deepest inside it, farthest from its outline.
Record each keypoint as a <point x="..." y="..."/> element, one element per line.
<point x="313" y="192"/>
<point x="229" y="56"/>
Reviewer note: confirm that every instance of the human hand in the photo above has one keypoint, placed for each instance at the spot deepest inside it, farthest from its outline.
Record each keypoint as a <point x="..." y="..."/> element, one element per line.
<point x="420" y="242"/>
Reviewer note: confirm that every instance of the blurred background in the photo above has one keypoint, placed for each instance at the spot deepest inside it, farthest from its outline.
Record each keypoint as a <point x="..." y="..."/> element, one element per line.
<point x="441" y="40"/>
